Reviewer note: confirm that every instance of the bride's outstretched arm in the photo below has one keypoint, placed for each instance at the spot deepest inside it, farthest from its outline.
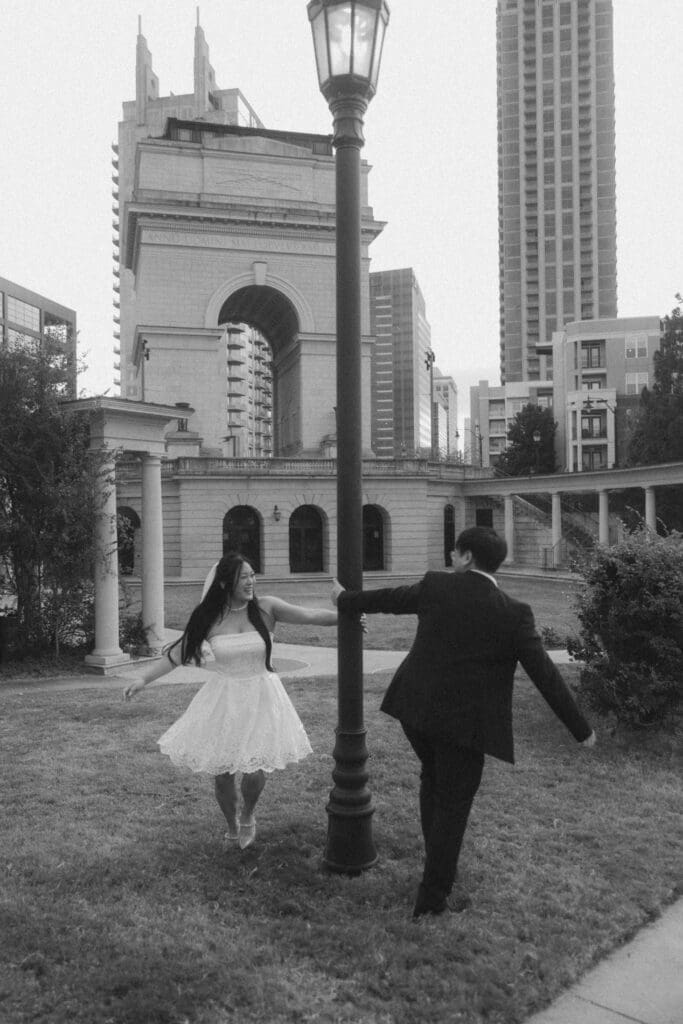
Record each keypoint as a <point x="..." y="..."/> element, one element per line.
<point x="151" y="672"/>
<point x="296" y="614"/>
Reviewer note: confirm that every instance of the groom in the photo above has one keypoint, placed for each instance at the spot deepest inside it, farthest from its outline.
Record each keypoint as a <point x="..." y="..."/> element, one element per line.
<point x="452" y="694"/>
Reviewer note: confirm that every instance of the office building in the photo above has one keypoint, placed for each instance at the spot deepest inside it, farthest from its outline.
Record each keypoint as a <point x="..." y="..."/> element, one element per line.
<point x="445" y="404"/>
<point x="26" y="318"/>
<point x="402" y="366"/>
<point x="556" y="175"/>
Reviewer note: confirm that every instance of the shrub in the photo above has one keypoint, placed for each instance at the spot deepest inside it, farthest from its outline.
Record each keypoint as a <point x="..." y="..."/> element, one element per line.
<point x="551" y="638"/>
<point x="631" y="630"/>
<point x="133" y="634"/>
<point x="132" y="631"/>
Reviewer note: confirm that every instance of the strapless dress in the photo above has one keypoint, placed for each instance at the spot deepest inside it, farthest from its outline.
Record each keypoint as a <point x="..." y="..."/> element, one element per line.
<point x="242" y="719"/>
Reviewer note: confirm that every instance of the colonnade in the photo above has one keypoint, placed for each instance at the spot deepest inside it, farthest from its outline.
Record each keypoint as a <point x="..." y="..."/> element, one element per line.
<point x="556" y="518"/>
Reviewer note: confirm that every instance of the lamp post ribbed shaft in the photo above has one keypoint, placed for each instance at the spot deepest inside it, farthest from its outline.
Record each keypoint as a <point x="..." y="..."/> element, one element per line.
<point x="350" y="847"/>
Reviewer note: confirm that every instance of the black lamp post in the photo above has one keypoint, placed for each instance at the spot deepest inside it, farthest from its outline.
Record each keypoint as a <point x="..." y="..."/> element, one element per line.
<point x="348" y="37"/>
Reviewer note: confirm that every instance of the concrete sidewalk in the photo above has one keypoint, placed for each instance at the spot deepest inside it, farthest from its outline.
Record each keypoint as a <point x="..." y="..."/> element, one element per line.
<point x="642" y="982"/>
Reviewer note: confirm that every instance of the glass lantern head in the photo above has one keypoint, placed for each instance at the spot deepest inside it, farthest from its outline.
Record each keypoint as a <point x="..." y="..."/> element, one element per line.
<point x="348" y="36"/>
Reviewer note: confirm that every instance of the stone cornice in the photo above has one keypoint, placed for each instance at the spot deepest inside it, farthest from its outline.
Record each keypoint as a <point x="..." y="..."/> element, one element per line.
<point x="465" y="481"/>
<point x="252" y="221"/>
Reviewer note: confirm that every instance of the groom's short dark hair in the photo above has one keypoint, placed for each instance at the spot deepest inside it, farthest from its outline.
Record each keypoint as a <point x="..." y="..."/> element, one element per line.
<point x="487" y="547"/>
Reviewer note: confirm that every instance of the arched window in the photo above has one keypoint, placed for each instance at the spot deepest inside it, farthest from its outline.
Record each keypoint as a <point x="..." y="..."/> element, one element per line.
<point x="242" y="532"/>
<point x="448" y="533"/>
<point x="306" y="540"/>
<point x="127" y="525"/>
<point x="373" y="538"/>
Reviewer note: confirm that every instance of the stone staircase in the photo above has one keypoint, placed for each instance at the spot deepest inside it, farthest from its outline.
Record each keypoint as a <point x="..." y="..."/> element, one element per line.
<point x="534" y="538"/>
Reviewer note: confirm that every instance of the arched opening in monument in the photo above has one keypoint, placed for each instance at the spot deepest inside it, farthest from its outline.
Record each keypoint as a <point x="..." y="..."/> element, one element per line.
<point x="261" y="323"/>
<point x="242" y="532"/>
<point x="306" y="540"/>
<point x="373" y="538"/>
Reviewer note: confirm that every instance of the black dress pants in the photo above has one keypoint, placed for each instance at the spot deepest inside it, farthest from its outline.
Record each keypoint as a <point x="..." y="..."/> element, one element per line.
<point x="449" y="781"/>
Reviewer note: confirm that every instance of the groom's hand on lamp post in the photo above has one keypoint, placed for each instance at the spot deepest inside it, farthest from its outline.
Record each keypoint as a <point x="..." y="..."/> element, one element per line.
<point x="337" y="589"/>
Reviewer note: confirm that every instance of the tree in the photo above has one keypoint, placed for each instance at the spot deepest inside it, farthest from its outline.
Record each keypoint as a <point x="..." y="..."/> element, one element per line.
<point x="657" y="433"/>
<point x="48" y="498"/>
<point x="524" y="455"/>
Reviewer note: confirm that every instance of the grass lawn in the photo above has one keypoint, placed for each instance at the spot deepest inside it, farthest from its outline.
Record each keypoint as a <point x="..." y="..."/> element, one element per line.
<point x="118" y="905"/>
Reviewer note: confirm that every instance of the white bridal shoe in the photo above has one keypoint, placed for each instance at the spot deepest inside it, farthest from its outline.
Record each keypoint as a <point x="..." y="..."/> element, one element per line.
<point x="247" y="834"/>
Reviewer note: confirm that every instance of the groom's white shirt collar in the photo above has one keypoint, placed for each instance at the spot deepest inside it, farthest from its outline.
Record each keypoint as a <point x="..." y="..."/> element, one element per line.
<point x="486" y="574"/>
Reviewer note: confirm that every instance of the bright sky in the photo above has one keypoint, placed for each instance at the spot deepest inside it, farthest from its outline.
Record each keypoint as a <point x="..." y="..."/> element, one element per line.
<point x="66" y="66"/>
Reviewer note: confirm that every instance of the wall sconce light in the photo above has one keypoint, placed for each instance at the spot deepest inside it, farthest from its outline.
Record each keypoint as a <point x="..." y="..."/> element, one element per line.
<point x="277" y="514"/>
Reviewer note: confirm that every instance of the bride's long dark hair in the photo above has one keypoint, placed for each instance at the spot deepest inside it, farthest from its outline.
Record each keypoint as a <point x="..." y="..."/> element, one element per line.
<point x="215" y="603"/>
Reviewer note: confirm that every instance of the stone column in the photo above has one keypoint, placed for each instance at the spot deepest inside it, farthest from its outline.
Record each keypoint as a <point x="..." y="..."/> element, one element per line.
<point x="556" y="527"/>
<point x="152" y="554"/>
<point x="603" y="517"/>
<point x="650" y="509"/>
<point x="509" y="527"/>
<point x="107" y="652"/>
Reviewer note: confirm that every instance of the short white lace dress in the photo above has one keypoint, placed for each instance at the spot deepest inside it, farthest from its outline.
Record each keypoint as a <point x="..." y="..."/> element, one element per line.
<point x="242" y="719"/>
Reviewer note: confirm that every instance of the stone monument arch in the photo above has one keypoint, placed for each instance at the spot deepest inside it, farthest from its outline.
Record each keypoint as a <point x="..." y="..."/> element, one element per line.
<point x="223" y="222"/>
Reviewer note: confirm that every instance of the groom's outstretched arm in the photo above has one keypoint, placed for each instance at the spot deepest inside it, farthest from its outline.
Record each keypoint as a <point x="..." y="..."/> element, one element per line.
<point x="388" y="600"/>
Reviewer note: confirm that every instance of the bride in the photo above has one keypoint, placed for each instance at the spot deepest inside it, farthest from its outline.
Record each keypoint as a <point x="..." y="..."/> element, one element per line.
<point x="241" y="720"/>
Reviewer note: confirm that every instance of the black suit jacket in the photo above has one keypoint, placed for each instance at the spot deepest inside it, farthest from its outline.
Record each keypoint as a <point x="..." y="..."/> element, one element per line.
<point x="457" y="679"/>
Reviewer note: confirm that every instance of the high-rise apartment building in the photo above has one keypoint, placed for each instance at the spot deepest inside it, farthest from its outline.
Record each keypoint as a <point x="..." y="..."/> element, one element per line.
<point x="401" y="414"/>
<point x="556" y="175"/>
<point x="26" y="318"/>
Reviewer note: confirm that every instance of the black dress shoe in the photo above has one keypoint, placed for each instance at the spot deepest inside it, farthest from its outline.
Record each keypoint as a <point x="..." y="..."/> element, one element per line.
<point x="429" y="900"/>
<point x="455" y="904"/>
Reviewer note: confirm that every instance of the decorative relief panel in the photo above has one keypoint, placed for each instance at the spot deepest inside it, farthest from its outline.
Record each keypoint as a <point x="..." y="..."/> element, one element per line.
<point x="194" y="238"/>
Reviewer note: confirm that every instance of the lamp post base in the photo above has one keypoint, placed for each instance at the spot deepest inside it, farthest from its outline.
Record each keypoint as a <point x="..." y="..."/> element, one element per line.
<point x="350" y="848"/>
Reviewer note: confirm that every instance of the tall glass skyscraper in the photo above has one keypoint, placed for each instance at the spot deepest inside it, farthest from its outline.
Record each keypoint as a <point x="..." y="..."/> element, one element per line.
<point x="556" y="175"/>
<point x="401" y="412"/>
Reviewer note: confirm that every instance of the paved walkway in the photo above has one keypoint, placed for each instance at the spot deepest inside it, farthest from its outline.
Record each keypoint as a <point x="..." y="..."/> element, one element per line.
<point x="291" y="661"/>
<point x="641" y="983"/>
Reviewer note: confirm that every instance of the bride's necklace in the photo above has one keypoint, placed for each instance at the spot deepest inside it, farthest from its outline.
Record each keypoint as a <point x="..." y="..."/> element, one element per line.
<point x="234" y="608"/>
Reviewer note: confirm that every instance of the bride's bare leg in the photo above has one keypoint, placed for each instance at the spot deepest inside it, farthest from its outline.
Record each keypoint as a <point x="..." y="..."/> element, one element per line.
<point x="226" y="795"/>
<point x="252" y="787"/>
